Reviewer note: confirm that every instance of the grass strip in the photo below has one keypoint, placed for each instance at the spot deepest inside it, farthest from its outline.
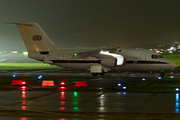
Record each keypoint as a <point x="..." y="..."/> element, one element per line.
<point x="24" y="66"/>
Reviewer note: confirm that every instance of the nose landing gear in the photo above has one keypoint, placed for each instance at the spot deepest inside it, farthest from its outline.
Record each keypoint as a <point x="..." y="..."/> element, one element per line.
<point x="162" y="73"/>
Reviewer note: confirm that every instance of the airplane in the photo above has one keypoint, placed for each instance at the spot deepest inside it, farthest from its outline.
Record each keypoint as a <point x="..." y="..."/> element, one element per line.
<point x="97" y="61"/>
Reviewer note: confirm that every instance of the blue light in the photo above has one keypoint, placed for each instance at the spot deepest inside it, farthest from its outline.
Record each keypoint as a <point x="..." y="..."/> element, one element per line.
<point x="176" y="110"/>
<point x="143" y="79"/>
<point x="159" y="78"/>
<point x="177" y="105"/>
<point x="119" y="84"/>
<point x="124" y="88"/>
<point x="177" y="97"/>
<point x="177" y="89"/>
<point x="171" y="76"/>
<point x="124" y="93"/>
<point x="40" y="77"/>
<point x="14" y="75"/>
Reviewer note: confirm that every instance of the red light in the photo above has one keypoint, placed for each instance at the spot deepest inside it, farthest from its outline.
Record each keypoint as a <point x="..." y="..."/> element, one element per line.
<point x="23" y="102"/>
<point x="62" y="93"/>
<point x="23" y="83"/>
<point x="62" y="88"/>
<point x="62" y="102"/>
<point x="24" y="107"/>
<point x="62" y="83"/>
<point x="23" y="119"/>
<point x="16" y="82"/>
<point x="62" y="119"/>
<point x="80" y="84"/>
<point x="23" y="87"/>
<point x="62" y="108"/>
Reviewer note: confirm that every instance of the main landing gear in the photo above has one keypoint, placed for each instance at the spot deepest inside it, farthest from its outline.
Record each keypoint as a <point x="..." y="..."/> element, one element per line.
<point x="96" y="74"/>
<point x="162" y="73"/>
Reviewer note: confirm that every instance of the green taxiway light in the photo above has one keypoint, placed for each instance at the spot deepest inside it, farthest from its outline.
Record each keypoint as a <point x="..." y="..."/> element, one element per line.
<point x="75" y="54"/>
<point x="75" y="94"/>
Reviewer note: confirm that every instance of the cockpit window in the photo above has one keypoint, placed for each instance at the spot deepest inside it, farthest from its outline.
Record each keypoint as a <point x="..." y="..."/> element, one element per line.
<point x="152" y="56"/>
<point x="156" y="56"/>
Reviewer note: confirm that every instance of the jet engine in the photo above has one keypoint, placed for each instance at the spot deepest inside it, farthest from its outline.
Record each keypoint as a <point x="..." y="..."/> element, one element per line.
<point x="109" y="62"/>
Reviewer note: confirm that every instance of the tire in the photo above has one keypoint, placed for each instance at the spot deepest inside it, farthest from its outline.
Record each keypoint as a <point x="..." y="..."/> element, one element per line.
<point x="162" y="74"/>
<point x="95" y="74"/>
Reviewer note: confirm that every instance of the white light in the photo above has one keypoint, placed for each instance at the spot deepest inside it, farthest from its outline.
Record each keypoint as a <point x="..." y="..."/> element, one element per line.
<point x="40" y="77"/>
<point x="159" y="78"/>
<point x="177" y="89"/>
<point x="14" y="75"/>
<point x="119" y="84"/>
<point x="143" y="79"/>
<point x="124" y="87"/>
<point x="120" y="58"/>
<point x="171" y="76"/>
<point x="14" y="51"/>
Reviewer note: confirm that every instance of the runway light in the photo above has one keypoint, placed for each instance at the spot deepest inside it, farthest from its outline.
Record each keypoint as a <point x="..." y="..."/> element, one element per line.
<point x="159" y="78"/>
<point x="124" y="88"/>
<point x="62" y="83"/>
<point x="143" y="79"/>
<point x="14" y="75"/>
<point x="23" y="83"/>
<point x="177" y="89"/>
<point x="119" y="84"/>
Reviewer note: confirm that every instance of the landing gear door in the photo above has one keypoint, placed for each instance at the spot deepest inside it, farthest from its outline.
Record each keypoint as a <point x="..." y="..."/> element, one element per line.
<point x="143" y="56"/>
<point x="61" y="56"/>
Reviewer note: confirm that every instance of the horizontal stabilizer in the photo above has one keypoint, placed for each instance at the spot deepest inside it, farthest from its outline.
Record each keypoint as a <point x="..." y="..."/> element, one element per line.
<point x="28" y="24"/>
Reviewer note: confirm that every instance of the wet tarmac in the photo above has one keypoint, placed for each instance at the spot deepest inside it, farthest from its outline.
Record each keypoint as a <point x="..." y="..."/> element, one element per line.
<point x="92" y="102"/>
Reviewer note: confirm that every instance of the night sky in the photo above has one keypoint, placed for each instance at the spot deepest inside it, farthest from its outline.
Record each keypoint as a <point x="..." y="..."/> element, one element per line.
<point x="93" y="23"/>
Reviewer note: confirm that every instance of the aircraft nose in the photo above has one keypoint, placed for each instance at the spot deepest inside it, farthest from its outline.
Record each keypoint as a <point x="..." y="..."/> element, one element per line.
<point x="173" y="65"/>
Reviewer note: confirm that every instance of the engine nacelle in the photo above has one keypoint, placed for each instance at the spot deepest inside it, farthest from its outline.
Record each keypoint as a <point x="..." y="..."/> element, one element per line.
<point x="109" y="62"/>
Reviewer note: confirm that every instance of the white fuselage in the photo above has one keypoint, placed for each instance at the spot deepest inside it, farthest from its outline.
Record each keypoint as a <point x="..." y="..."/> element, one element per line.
<point x="135" y="60"/>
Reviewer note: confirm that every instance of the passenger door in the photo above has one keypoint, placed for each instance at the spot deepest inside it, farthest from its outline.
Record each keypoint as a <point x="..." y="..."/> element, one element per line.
<point x="143" y="56"/>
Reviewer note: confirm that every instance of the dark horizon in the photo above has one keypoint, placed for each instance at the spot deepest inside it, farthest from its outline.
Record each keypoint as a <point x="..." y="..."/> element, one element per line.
<point x="93" y="23"/>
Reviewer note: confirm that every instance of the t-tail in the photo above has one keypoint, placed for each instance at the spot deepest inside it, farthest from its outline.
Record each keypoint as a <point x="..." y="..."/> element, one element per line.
<point x="35" y="39"/>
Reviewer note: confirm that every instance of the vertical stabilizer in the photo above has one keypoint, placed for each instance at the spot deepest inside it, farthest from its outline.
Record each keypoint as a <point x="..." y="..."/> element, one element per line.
<point x="35" y="39"/>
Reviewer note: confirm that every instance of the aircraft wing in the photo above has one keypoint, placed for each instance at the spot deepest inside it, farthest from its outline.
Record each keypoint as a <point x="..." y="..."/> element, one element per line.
<point x="93" y="53"/>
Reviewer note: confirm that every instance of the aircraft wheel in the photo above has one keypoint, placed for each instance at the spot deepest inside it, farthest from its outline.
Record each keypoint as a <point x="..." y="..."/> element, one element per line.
<point x="162" y="74"/>
<point x="95" y="74"/>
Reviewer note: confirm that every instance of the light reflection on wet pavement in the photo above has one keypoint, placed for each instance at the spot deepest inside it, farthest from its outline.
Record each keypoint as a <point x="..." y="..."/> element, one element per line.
<point x="90" y="99"/>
